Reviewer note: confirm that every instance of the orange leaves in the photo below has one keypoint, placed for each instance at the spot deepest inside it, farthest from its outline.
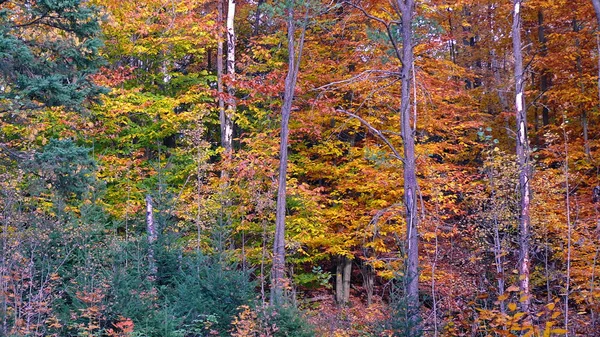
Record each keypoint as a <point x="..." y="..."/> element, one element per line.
<point x="113" y="77"/>
<point x="124" y="327"/>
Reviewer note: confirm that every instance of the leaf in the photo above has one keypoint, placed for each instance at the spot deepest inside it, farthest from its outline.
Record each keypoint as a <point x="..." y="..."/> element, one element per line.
<point x="512" y="306"/>
<point x="512" y="288"/>
<point x="559" y="331"/>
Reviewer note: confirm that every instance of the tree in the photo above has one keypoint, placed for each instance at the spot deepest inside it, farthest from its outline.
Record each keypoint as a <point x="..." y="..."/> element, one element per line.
<point x="294" y="57"/>
<point x="407" y="8"/>
<point x="226" y="114"/>
<point x="48" y="49"/>
<point x="522" y="158"/>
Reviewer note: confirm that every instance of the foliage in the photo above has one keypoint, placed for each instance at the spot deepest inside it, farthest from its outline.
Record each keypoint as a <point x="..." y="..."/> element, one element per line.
<point x="76" y="163"/>
<point x="271" y="321"/>
<point x="48" y="50"/>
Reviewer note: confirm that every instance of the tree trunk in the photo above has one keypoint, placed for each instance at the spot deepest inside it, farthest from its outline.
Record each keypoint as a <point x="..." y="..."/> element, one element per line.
<point x="277" y="273"/>
<point x="151" y="230"/>
<point x="498" y="82"/>
<point x="339" y="280"/>
<point x="342" y="280"/>
<point x="522" y="158"/>
<point x="498" y="250"/>
<point x="257" y="17"/>
<point x="226" y="117"/>
<point x="545" y="76"/>
<point x="596" y="4"/>
<point x="368" y="281"/>
<point x="579" y="66"/>
<point x="219" y="62"/>
<point x="410" y="179"/>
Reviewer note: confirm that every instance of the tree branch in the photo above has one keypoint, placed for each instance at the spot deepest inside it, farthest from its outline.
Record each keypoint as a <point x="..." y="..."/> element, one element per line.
<point x="375" y="131"/>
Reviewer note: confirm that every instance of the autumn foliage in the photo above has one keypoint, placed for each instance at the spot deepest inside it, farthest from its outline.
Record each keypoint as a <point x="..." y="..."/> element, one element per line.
<point x="105" y="105"/>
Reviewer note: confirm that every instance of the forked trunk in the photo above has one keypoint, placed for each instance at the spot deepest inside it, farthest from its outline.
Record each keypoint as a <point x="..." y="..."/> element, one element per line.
<point x="523" y="160"/>
<point x="278" y="272"/>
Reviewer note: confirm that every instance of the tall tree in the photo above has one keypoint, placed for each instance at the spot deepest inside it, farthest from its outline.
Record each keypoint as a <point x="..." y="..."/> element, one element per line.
<point x="522" y="157"/>
<point x="294" y="56"/>
<point x="407" y="8"/>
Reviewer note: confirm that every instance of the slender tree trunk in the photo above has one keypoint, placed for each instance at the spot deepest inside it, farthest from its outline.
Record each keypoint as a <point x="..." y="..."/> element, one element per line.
<point x="410" y="179"/>
<point x="278" y="271"/>
<point x="522" y="158"/>
<point x="225" y="114"/>
<point x="498" y="249"/>
<point x="257" y="18"/>
<point x="545" y="76"/>
<point x="226" y="118"/>
<point x="579" y="66"/>
<point x="368" y="281"/>
<point x="151" y="230"/>
<point x="219" y="62"/>
<point x="569" y="226"/>
<point x="339" y="280"/>
<point x="347" y="275"/>
<point x="342" y="279"/>
<point x="498" y="82"/>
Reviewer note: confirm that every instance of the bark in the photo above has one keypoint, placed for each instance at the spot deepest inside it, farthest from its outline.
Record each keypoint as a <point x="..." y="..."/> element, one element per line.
<point x="342" y="280"/>
<point x="151" y="231"/>
<point x="368" y="281"/>
<point x="498" y="250"/>
<point x="579" y="66"/>
<point x="569" y="228"/>
<point x="257" y="18"/>
<point x="347" y="275"/>
<point x="522" y="158"/>
<point x="545" y="76"/>
<point x="219" y="62"/>
<point x="498" y="81"/>
<point x="226" y="118"/>
<point x="410" y="179"/>
<point x="339" y="281"/>
<point x="278" y="271"/>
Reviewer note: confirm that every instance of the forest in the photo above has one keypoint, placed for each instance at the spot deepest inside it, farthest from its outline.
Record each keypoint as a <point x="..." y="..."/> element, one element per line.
<point x="188" y="168"/>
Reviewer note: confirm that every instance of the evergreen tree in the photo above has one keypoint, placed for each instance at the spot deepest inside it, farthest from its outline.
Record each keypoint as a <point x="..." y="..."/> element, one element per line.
<point x="48" y="49"/>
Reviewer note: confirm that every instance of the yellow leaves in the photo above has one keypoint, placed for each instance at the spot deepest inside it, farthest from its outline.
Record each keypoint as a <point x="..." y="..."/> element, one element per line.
<point x="512" y="306"/>
<point x="559" y="331"/>
<point x="503" y="297"/>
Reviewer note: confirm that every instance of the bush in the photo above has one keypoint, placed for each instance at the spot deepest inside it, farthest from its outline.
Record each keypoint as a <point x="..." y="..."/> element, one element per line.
<point x="264" y="320"/>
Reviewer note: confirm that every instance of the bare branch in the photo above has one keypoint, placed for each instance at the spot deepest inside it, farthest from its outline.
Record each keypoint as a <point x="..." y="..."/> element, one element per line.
<point x="359" y="77"/>
<point x="375" y="131"/>
<point x="386" y="24"/>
